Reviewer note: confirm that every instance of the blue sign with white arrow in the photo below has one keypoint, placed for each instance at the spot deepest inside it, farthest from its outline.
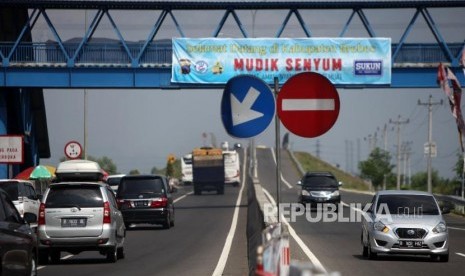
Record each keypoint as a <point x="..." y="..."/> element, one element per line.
<point x="247" y="106"/>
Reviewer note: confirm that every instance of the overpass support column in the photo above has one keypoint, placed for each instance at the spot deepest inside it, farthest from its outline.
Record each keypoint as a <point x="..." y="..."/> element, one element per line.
<point x="3" y="130"/>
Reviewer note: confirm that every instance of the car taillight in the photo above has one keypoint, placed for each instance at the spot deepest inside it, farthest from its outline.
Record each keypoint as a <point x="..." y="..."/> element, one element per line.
<point x="41" y="219"/>
<point x="123" y="203"/>
<point x="159" y="202"/>
<point x="106" y="212"/>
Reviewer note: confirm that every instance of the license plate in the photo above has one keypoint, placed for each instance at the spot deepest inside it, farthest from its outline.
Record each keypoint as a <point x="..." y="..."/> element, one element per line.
<point x="411" y="244"/>
<point x="141" y="203"/>
<point x="73" y="222"/>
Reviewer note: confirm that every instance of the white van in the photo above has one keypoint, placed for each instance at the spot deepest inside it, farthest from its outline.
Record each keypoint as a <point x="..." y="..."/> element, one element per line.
<point x="232" y="171"/>
<point x="186" y="169"/>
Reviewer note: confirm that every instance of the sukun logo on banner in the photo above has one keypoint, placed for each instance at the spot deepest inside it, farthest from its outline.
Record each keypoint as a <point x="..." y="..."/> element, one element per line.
<point x="359" y="61"/>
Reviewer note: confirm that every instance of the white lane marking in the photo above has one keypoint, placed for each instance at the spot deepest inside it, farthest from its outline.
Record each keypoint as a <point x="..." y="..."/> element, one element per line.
<point x="351" y="207"/>
<point x="455" y="228"/>
<point x="181" y="197"/>
<point x="282" y="178"/>
<point x="296" y="237"/>
<point x="69" y="256"/>
<point x="64" y="258"/>
<point x="460" y="254"/>
<point x="219" y="269"/>
<point x="307" y="104"/>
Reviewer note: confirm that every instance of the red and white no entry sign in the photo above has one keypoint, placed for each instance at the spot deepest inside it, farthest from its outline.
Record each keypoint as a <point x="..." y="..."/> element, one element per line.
<point x="308" y="104"/>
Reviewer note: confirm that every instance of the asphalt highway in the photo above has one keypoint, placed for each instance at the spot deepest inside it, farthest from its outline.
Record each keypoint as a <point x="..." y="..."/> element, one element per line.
<point x="336" y="245"/>
<point x="194" y="246"/>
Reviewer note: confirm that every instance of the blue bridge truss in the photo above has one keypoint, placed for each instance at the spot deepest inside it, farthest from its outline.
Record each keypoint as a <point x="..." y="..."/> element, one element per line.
<point x="88" y="63"/>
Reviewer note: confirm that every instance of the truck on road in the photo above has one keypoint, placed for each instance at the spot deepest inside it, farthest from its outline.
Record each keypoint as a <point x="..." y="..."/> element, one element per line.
<point x="208" y="170"/>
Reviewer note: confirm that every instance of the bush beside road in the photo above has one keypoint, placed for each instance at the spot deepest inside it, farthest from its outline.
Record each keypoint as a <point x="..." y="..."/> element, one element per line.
<point x="309" y="162"/>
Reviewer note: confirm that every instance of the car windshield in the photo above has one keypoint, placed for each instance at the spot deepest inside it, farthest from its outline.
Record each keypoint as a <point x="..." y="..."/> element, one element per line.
<point x="187" y="161"/>
<point x="407" y="205"/>
<point x="319" y="181"/>
<point x="113" y="181"/>
<point x="63" y="196"/>
<point x="11" y="188"/>
<point x="141" y="186"/>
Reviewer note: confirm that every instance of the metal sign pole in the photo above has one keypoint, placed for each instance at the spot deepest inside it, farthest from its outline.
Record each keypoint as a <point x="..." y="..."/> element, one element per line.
<point x="278" y="152"/>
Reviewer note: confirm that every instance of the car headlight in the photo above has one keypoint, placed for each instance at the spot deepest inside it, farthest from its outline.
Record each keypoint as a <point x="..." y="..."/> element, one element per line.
<point x="305" y="193"/>
<point x="335" y="193"/>
<point x="440" y="228"/>
<point x="379" y="226"/>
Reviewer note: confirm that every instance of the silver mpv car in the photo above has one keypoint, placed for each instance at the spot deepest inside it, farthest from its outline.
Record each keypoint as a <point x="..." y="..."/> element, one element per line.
<point x="80" y="216"/>
<point x="405" y="222"/>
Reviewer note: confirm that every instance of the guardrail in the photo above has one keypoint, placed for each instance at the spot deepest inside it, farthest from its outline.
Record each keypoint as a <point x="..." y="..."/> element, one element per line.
<point x="159" y="53"/>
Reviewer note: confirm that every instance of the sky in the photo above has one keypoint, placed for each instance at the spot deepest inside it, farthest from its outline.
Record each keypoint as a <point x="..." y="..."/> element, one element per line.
<point x="137" y="129"/>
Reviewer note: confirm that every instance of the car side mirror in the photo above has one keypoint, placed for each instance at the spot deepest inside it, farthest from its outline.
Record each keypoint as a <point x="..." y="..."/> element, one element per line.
<point x="299" y="183"/>
<point x="445" y="210"/>
<point x="30" y="217"/>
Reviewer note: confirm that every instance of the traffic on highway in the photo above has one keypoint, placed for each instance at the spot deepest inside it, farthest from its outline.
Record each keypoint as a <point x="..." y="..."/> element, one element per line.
<point x="150" y="228"/>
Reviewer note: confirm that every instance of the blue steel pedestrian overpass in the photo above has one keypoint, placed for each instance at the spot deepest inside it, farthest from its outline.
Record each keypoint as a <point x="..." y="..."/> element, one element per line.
<point x="90" y="62"/>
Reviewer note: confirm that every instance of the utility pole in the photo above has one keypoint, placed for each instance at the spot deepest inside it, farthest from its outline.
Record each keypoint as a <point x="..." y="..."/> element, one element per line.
<point x="318" y="148"/>
<point x="347" y="154"/>
<point x="406" y="152"/>
<point x="430" y="104"/>
<point x="358" y="154"/>
<point x="385" y="151"/>
<point x="351" y="156"/>
<point x="85" y="99"/>
<point x="398" y="123"/>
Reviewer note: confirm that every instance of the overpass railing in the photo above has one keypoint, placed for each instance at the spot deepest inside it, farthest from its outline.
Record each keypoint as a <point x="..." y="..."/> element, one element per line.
<point x="160" y="55"/>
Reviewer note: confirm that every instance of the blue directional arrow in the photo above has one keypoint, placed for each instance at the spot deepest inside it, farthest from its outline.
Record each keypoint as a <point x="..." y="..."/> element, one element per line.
<point x="247" y="106"/>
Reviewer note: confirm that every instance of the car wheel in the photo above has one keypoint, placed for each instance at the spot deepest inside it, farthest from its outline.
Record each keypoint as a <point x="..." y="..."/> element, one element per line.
<point x="370" y="254"/>
<point x="172" y="220"/>
<point x="55" y="256"/>
<point x="197" y="191"/>
<point x="441" y="258"/>
<point x="43" y="257"/>
<point x="112" y="255"/>
<point x="220" y="190"/>
<point x="120" y="253"/>
<point x="444" y="258"/>
<point x="33" y="266"/>
<point x="167" y="223"/>
<point x="365" y="248"/>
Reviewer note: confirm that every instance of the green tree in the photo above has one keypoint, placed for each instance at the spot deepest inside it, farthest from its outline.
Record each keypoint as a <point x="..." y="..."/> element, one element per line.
<point x="376" y="167"/>
<point x="458" y="169"/>
<point x="134" y="172"/>
<point x="440" y="185"/>
<point x="105" y="163"/>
